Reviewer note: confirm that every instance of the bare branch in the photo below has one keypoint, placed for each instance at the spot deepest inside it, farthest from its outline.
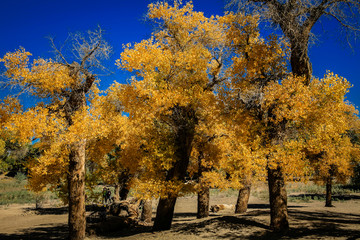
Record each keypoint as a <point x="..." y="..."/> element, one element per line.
<point x="58" y="52"/>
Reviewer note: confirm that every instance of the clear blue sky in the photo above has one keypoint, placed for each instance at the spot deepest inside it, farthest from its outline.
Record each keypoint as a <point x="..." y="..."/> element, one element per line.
<point x="27" y="23"/>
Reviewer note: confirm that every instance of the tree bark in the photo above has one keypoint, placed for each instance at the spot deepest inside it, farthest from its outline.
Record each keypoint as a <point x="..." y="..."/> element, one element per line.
<point x="124" y="180"/>
<point x="203" y="202"/>
<point x="146" y="214"/>
<point x="204" y="192"/>
<point x="117" y="193"/>
<point x="328" y="201"/>
<point x="278" y="201"/>
<point x="299" y="59"/>
<point x="76" y="187"/>
<point x="184" y="121"/>
<point x="243" y="199"/>
<point x="164" y="214"/>
<point x="124" y="192"/>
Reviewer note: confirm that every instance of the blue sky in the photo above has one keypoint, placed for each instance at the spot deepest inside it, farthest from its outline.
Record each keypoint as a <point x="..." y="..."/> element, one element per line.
<point x="27" y="23"/>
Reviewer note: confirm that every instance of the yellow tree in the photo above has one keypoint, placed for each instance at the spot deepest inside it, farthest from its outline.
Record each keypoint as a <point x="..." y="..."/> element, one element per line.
<point x="322" y="118"/>
<point x="172" y="98"/>
<point x="61" y="122"/>
<point x="257" y="63"/>
<point x="314" y="119"/>
<point x="115" y="154"/>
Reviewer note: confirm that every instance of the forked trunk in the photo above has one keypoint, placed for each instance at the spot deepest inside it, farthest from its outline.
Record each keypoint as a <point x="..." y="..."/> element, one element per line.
<point x="184" y="121"/>
<point x="278" y="201"/>
<point x="243" y="199"/>
<point x="328" y="200"/>
<point x="76" y="187"/>
<point x="203" y="202"/>
<point x="146" y="214"/>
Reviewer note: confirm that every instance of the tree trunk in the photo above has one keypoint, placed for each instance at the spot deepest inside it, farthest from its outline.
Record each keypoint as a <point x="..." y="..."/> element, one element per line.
<point x="243" y="199"/>
<point x="124" y="180"/>
<point x="117" y="193"/>
<point x="328" y="202"/>
<point x="204" y="192"/>
<point x="299" y="59"/>
<point x="278" y="201"/>
<point x="184" y="121"/>
<point x="146" y="214"/>
<point x="164" y="214"/>
<point x="203" y="202"/>
<point x="76" y="187"/>
<point x="124" y="192"/>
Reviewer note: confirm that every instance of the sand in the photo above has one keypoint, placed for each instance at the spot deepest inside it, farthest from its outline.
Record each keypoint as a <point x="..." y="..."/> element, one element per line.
<point x="309" y="220"/>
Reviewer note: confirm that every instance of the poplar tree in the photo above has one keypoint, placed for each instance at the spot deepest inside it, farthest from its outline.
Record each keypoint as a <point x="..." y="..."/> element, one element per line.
<point x="61" y="122"/>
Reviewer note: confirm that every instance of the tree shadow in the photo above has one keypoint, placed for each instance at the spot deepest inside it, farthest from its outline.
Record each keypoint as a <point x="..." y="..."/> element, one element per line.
<point x="267" y="206"/>
<point x="253" y="225"/>
<point x="126" y="232"/>
<point x="227" y="224"/>
<point x="326" y="217"/>
<point x="303" y="224"/>
<point x="185" y="215"/>
<point x="48" y="211"/>
<point x="39" y="233"/>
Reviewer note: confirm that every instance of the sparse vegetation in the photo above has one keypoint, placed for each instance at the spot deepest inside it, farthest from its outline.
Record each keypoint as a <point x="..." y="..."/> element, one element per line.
<point x="306" y="192"/>
<point x="13" y="191"/>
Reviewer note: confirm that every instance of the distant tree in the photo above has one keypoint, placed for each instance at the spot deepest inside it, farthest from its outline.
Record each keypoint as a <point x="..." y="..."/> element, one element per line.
<point x="15" y="156"/>
<point x="61" y="122"/>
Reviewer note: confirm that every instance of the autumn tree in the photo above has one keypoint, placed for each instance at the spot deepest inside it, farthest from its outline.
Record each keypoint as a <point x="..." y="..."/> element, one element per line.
<point x="61" y="122"/>
<point x="321" y="119"/>
<point x="114" y="154"/>
<point x="330" y="150"/>
<point x="172" y="98"/>
<point x="296" y="20"/>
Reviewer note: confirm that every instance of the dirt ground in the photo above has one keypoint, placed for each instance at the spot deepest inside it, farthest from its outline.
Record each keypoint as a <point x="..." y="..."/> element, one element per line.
<point x="307" y="221"/>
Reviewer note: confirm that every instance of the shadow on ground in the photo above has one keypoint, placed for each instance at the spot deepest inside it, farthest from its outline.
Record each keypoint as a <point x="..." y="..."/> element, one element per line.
<point x="58" y="232"/>
<point x="48" y="211"/>
<point x="252" y="225"/>
<point x="310" y="225"/>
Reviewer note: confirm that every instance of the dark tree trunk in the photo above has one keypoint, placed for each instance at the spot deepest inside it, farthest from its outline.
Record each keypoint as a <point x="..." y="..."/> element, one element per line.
<point x="328" y="202"/>
<point x="184" y="121"/>
<point x="124" y="192"/>
<point x="278" y="201"/>
<point x="76" y="187"/>
<point x="164" y="213"/>
<point x="299" y="60"/>
<point x="243" y="199"/>
<point x="203" y="202"/>
<point x="124" y="182"/>
<point x="146" y="214"/>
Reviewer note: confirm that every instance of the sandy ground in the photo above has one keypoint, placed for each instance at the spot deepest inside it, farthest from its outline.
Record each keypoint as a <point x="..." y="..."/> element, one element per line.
<point x="307" y="221"/>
